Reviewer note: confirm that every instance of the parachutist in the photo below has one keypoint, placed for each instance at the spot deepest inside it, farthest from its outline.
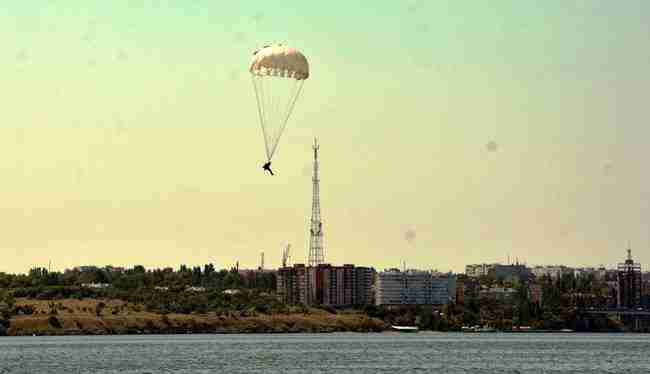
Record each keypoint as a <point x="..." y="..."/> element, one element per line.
<point x="267" y="167"/>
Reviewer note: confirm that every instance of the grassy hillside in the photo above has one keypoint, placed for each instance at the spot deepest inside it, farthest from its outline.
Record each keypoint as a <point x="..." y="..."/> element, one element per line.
<point x="97" y="316"/>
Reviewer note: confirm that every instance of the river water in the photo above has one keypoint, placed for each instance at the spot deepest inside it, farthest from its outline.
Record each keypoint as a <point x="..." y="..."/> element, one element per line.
<point x="329" y="353"/>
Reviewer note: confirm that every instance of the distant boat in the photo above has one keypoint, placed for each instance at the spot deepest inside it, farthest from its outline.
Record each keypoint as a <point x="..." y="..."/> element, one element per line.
<point x="478" y="329"/>
<point x="405" y="328"/>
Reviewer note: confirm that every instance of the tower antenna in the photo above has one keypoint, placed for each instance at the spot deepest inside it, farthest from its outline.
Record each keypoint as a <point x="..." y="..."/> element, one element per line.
<point x="316" y="255"/>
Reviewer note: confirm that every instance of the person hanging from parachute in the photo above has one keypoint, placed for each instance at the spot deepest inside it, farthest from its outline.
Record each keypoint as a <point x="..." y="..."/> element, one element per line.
<point x="278" y="73"/>
<point x="267" y="167"/>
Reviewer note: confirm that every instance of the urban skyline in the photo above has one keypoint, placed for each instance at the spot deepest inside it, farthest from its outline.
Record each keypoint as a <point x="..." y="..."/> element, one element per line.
<point x="273" y="265"/>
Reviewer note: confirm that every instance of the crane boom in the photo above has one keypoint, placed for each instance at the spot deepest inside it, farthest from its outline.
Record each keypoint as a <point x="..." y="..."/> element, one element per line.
<point x="286" y="255"/>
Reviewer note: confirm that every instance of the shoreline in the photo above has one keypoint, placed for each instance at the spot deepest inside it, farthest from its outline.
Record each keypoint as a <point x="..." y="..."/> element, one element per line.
<point x="385" y="332"/>
<point x="116" y="317"/>
<point x="37" y="327"/>
<point x="157" y="324"/>
<point x="92" y="317"/>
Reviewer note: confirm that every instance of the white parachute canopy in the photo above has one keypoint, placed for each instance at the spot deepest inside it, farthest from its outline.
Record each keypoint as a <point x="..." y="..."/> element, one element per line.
<point x="278" y="73"/>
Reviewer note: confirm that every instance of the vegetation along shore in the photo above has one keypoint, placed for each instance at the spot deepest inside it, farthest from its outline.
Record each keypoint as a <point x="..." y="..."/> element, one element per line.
<point x="92" y="300"/>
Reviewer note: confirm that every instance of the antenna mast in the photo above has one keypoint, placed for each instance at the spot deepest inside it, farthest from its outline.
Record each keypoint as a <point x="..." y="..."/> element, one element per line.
<point x="316" y="255"/>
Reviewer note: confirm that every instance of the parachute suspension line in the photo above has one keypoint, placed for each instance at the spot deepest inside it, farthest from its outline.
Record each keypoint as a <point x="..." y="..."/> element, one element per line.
<point x="295" y="93"/>
<point x="293" y="89"/>
<point x="260" y="86"/>
<point x="287" y="114"/>
<point x="272" y="91"/>
<point x="269" y="110"/>
<point x="261" y="115"/>
<point x="290" y="95"/>
<point x="273" y="102"/>
<point x="282" y="93"/>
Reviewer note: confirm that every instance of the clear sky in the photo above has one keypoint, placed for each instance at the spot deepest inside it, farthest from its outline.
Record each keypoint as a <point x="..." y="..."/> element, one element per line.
<point x="451" y="132"/>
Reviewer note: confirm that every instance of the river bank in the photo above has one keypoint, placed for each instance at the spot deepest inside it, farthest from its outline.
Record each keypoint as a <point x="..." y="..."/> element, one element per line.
<point x="105" y="317"/>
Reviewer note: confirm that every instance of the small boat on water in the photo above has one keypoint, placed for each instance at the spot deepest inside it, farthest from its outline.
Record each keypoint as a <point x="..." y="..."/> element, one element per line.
<point x="478" y="329"/>
<point x="405" y="328"/>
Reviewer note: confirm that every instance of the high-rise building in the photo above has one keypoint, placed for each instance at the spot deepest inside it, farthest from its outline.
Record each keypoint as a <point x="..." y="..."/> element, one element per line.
<point x="319" y="284"/>
<point x="461" y="280"/>
<point x="645" y="290"/>
<point x="292" y="284"/>
<point x="629" y="283"/>
<point x="389" y="287"/>
<point x="316" y="250"/>
<point x="284" y="285"/>
<point x="414" y="287"/>
<point x="302" y="285"/>
<point x="337" y="286"/>
<point x="333" y="285"/>
<point x="364" y="280"/>
<point x="346" y="284"/>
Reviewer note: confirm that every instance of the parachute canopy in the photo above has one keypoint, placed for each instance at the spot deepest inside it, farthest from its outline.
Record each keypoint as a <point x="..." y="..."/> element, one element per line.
<point x="278" y="74"/>
<point x="280" y="60"/>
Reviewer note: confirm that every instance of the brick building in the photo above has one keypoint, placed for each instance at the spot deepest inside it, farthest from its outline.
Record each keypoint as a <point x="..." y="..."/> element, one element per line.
<point x="324" y="284"/>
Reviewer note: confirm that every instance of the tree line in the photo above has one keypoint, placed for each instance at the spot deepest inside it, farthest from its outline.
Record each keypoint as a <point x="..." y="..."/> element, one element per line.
<point x="206" y="276"/>
<point x="184" y="290"/>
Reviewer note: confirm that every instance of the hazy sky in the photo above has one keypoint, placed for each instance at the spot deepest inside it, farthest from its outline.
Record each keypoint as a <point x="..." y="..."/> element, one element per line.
<point x="452" y="132"/>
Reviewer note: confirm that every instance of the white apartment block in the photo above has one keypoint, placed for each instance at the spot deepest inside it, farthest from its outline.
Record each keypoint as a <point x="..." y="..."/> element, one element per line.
<point x="413" y="287"/>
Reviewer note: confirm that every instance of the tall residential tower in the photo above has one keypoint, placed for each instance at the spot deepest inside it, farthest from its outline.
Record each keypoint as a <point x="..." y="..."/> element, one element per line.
<point x="629" y="283"/>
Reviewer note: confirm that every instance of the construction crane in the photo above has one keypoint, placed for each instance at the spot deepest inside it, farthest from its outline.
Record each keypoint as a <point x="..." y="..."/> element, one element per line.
<point x="286" y="255"/>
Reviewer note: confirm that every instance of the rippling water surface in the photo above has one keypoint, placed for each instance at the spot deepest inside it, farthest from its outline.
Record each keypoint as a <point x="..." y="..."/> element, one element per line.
<point x="329" y="353"/>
